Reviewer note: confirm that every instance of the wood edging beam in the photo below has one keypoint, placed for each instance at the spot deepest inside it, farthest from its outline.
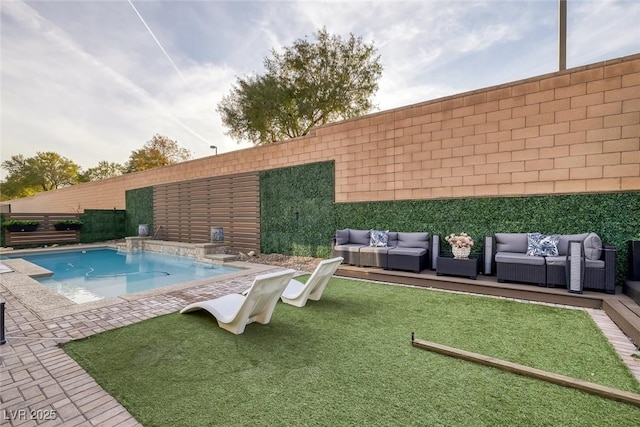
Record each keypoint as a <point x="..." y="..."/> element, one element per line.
<point x="565" y="381"/>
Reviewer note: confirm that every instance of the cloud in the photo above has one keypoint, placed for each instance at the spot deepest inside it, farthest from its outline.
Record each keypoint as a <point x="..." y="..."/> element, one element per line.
<point x="89" y="112"/>
<point x="602" y="30"/>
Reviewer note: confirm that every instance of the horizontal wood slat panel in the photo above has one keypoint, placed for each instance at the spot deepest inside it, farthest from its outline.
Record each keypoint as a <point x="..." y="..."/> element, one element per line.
<point x="45" y="233"/>
<point x="186" y="211"/>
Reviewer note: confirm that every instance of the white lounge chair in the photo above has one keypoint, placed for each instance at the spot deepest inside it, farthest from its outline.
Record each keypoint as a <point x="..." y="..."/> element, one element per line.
<point x="233" y="312"/>
<point x="297" y="293"/>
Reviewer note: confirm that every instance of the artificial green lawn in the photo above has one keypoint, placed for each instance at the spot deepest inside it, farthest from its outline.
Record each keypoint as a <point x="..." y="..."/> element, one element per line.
<point x="347" y="360"/>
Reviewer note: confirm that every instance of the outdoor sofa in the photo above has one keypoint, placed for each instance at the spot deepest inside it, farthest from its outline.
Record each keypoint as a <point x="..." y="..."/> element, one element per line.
<point x="543" y="259"/>
<point x="385" y="249"/>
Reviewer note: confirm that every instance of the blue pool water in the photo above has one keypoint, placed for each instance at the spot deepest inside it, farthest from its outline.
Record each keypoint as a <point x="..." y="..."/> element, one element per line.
<point x="91" y="275"/>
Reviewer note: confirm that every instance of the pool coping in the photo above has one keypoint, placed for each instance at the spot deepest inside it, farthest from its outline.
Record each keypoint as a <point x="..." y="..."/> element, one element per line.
<point x="48" y="304"/>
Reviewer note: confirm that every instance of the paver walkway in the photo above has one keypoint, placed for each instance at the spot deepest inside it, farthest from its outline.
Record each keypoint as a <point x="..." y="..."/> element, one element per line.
<point x="41" y="385"/>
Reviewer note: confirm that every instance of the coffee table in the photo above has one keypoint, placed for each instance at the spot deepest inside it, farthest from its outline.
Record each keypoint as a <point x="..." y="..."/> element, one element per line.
<point x="466" y="267"/>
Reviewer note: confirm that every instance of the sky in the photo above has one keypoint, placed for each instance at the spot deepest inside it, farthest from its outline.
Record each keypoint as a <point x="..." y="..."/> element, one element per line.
<point x="95" y="80"/>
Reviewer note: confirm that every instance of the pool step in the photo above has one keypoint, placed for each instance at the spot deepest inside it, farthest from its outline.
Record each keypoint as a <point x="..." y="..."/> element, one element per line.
<point x="221" y="258"/>
<point x="27" y="268"/>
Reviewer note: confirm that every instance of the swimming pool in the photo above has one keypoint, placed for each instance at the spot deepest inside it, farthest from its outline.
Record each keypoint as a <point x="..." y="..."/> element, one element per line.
<point x="91" y="275"/>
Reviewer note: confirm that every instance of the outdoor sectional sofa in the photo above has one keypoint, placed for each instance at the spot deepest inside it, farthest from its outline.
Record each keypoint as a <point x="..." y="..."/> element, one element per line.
<point x="387" y="249"/>
<point x="516" y="259"/>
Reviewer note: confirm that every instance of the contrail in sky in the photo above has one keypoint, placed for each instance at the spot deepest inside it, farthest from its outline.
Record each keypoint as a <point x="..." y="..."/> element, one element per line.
<point x="157" y="41"/>
<point x="174" y="66"/>
<point x="31" y="19"/>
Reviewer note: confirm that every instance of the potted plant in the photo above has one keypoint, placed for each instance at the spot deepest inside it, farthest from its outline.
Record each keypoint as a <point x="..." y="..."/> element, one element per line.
<point x="460" y="244"/>
<point x="16" y="225"/>
<point x="67" y="224"/>
<point x="634" y="258"/>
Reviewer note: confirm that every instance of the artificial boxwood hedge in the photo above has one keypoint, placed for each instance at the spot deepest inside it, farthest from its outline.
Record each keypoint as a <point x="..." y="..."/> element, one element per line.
<point x="139" y="205"/>
<point x="100" y="225"/>
<point x="297" y="210"/>
<point x="614" y="216"/>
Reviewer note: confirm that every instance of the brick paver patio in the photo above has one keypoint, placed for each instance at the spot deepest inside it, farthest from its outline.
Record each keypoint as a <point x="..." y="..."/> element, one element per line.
<point x="41" y="385"/>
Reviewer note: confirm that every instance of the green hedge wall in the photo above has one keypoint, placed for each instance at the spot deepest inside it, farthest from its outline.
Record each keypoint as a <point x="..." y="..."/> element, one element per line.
<point x="139" y="205"/>
<point x="297" y="210"/>
<point x="614" y="216"/>
<point x="102" y="225"/>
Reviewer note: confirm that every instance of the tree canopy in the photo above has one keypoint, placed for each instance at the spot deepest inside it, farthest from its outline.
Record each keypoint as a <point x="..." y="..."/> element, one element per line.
<point x="43" y="172"/>
<point x="159" y="151"/>
<point x="103" y="170"/>
<point x="49" y="171"/>
<point x="307" y="84"/>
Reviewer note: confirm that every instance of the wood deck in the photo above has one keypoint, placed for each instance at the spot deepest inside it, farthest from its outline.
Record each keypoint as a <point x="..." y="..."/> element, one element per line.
<point x="622" y="309"/>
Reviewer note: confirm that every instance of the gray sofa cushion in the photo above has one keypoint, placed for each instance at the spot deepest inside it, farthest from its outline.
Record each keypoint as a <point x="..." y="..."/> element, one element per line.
<point x="413" y="240"/>
<point x="556" y="260"/>
<point x="519" y="258"/>
<point x="407" y="251"/>
<point x="592" y="247"/>
<point x="342" y="237"/>
<point x="349" y="247"/>
<point x="563" y="242"/>
<point x="360" y="237"/>
<point x="511" y="242"/>
<point x="375" y="249"/>
<point x="562" y="260"/>
<point x="594" y="263"/>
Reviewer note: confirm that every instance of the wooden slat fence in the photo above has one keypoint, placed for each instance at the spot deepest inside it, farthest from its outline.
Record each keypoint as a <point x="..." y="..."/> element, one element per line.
<point x="45" y="234"/>
<point x="186" y="211"/>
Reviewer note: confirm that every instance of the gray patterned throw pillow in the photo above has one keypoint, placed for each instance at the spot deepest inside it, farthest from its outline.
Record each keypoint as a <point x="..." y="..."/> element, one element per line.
<point x="542" y="244"/>
<point x="379" y="238"/>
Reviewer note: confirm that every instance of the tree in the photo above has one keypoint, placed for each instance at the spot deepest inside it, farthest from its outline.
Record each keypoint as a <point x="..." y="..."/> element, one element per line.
<point x="13" y="188"/>
<point x="103" y="170"/>
<point x="308" y="84"/>
<point x="43" y="172"/>
<point x="159" y="151"/>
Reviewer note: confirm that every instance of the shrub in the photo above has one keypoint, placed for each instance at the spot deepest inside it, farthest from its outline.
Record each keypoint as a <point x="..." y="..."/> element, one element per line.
<point x="19" y="222"/>
<point x="68" y="222"/>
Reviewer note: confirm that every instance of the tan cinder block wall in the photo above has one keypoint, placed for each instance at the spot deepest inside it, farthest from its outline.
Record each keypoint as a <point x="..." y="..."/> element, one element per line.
<point x="568" y="132"/>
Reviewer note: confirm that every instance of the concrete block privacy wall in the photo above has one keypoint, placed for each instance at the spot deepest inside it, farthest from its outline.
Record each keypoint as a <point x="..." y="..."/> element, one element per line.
<point x="575" y="131"/>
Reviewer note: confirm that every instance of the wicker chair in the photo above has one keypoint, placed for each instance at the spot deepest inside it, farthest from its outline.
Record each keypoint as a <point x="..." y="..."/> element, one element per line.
<point x="511" y="262"/>
<point x="598" y="276"/>
<point x="504" y="254"/>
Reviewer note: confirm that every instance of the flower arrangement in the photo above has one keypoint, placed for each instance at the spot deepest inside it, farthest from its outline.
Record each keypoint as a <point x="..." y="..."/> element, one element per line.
<point x="463" y="240"/>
